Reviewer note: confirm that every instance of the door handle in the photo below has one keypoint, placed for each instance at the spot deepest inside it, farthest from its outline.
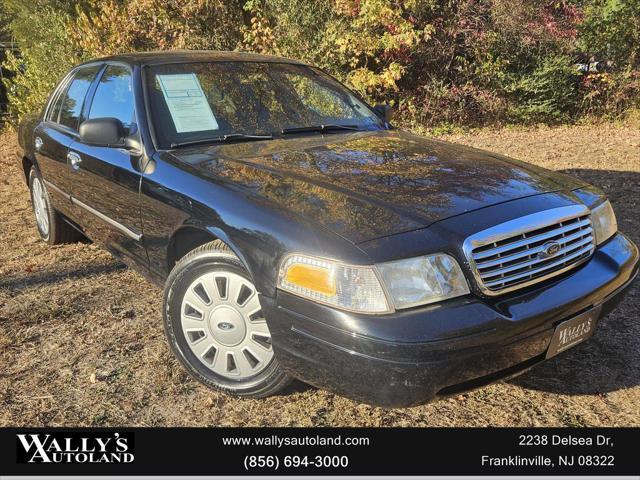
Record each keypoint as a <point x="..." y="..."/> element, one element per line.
<point x="74" y="160"/>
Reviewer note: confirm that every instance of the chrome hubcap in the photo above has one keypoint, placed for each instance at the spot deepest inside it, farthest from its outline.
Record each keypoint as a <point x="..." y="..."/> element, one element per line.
<point x="223" y="324"/>
<point x="40" y="206"/>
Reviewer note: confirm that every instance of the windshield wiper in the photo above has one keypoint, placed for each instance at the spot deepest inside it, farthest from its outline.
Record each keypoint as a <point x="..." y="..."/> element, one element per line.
<point x="242" y="137"/>
<point x="318" y="128"/>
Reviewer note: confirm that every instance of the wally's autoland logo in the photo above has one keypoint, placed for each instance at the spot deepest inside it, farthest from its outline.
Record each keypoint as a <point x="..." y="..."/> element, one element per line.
<point x="75" y="447"/>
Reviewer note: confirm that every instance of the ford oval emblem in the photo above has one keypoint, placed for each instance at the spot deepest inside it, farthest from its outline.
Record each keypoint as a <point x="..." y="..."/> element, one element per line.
<point x="549" y="249"/>
<point x="225" y="326"/>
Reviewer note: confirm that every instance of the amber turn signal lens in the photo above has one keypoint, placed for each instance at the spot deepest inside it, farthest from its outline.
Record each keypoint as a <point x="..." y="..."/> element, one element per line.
<point x="312" y="277"/>
<point x="350" y="287"/>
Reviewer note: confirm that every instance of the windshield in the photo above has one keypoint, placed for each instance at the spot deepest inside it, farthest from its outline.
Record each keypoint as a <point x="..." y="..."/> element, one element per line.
<point x="192" y="102"/>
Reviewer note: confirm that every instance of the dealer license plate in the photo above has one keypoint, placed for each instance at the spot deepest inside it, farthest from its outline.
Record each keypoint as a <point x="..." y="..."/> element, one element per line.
<point x="573" y="331"/>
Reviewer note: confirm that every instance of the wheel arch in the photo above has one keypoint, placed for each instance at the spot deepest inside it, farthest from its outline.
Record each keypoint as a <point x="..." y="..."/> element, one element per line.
<point x="187" y="237"/>
<point x="27" y="164"/>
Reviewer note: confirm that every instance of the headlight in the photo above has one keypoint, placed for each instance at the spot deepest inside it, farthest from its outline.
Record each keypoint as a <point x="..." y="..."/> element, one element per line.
<point x="349" y="287"/>
<point x="409" y="283"/>
<point x="604" y="222"/>
<point x="422" y="280"/>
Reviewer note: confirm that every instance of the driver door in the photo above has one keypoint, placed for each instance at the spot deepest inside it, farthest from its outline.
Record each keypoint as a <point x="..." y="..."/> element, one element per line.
<point x="105" y="181"/>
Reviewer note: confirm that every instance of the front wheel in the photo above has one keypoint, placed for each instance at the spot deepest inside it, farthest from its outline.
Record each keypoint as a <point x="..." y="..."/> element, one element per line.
<point x="215" y="325"/>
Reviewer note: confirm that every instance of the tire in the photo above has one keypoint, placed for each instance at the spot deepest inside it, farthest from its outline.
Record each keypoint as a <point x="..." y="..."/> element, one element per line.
<point x="215" y="327"/>
<point x="51" y="226"/>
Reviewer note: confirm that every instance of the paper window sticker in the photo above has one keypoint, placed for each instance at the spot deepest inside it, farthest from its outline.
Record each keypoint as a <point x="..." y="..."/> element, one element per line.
<point x="187" y="103"/>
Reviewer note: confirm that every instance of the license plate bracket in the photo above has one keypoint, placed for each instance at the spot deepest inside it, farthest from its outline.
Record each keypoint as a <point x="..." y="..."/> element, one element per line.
<point x="573" y="331"/>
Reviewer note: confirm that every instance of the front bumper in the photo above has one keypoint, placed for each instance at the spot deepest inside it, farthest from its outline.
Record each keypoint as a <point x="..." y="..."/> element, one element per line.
<point x="410" y="357"/>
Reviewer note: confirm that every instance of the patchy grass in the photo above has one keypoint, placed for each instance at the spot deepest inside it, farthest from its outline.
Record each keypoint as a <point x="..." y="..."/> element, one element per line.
<point x="81" y="337"/>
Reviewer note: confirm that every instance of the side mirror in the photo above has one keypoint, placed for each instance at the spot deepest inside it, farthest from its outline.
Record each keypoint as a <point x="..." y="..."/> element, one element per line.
<point x="384" y="111"/>
<point x="102" y="132"/>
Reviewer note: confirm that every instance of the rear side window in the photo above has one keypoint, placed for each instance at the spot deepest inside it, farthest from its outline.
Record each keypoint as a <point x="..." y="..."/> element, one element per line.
<point x="54" y="111"/>
<point x="114" y="96"/>
<point x="73" y="99"/>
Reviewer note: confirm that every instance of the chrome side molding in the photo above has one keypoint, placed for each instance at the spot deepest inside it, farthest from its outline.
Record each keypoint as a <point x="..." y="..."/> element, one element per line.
<point x="126" y="230"/>
<point x="55" y="188"/>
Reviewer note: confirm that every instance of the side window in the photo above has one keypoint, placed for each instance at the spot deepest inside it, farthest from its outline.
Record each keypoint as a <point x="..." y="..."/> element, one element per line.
<point x="114" y="96"/>
<point x="54" y="110"/>
<point x="73" y="99"/>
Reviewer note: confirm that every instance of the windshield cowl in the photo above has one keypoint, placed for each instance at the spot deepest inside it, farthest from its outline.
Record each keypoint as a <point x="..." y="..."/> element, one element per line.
<point x="237" y="137"/>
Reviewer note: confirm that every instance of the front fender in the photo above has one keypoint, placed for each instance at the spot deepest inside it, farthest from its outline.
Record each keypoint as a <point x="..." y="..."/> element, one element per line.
<point x="174" y="197"/>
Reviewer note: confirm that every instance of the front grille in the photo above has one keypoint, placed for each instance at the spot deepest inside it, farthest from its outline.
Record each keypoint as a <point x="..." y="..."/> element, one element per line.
<point x="530" y="249"/>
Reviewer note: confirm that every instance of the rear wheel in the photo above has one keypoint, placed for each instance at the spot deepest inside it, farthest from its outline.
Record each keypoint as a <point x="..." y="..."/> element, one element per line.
<point x="51" y="226"/>
<point x="215" y="325"/>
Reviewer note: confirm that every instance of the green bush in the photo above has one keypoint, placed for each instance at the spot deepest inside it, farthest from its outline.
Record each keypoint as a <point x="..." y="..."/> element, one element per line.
<point x="611" y="31"/>
<point x="548" y="94"/>
<point x="46" y="54"/>
<point x="291" y="28"/>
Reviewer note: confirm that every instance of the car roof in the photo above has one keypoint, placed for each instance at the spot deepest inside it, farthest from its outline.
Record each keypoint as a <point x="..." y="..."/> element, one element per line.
<point x="188" y="56"/>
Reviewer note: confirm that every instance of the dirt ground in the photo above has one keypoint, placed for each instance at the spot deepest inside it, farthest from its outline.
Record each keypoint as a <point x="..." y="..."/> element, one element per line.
<point x="81" y="341"/>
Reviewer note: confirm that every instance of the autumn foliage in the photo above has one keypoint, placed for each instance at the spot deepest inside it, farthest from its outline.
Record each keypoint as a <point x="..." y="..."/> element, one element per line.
<point x="440" y="63"/>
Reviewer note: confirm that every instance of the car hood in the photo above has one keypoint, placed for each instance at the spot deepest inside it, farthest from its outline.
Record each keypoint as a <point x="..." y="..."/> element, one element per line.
<point x="366" y="185"/>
